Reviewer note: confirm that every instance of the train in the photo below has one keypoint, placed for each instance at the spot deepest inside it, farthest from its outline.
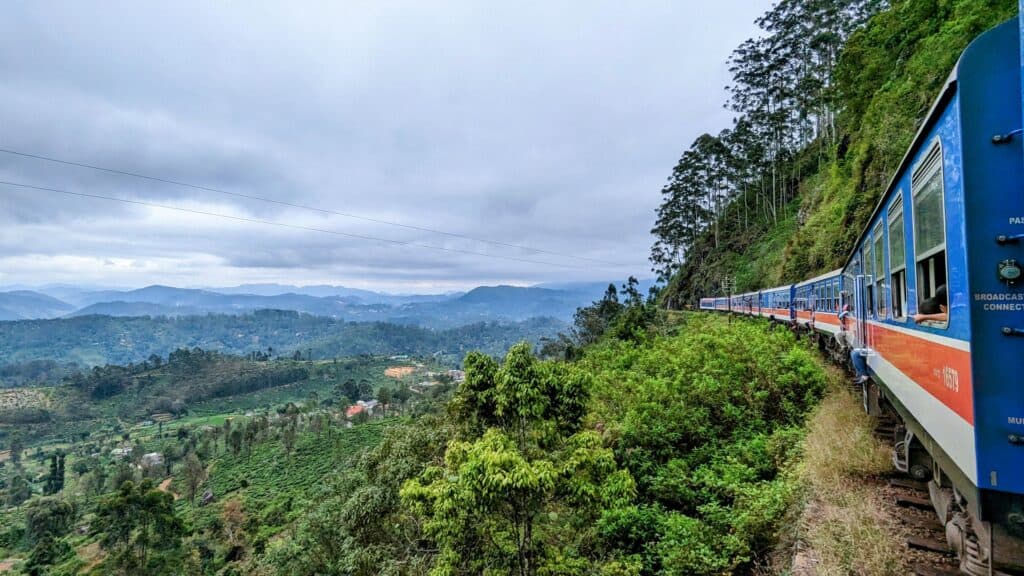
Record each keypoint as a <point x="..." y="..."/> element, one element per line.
<point x="948" y="229"/>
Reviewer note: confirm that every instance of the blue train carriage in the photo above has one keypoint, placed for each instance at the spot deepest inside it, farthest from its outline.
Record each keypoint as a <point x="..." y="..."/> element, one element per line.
<point x="707" y="303"/>
<point x="938" y="302"/>
<point x="816" y="302"/>
<point x="722" y="304"/>
<point x="747" y="304"/>
<point x="777" y="303"/>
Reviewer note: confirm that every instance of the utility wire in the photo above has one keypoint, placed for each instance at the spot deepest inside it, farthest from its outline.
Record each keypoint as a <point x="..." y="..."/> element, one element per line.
<point x="283" y="224"/>
<point x="300" y="206"/>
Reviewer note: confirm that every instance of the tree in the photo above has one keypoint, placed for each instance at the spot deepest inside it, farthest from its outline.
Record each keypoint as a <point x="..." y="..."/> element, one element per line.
<point x="195" y="474"/>
<point x="365" y="390"/>
<point x="590" y="322"/>
<point x="288" y="438"/>
<point x="135" y="521"/>
<point x="18" y="489"/>
<point x="519" y="469"/>
<point x="235" y="440"/>
<point x="52" y="516"/>
<point x="347" y="392"/>
<point x="233" y="519"/>
<point x="384" y="398"/>
<point x="17" y="445"/>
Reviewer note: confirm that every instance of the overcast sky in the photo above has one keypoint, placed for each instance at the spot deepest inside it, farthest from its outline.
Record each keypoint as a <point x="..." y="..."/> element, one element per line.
<point x="550" y="125"/>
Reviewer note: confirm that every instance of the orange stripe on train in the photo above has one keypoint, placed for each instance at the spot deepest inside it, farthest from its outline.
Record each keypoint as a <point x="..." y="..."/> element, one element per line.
<point x="943" y="371"/>
<point x="819" y="317"/>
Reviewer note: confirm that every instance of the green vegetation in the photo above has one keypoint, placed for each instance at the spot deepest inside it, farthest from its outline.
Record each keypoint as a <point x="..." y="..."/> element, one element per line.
<point x="191" y="386"/>
<point x="98" y="340"/>
<point x="674" y="451"/>
<point x="669" y="445"/>
<point x="828" y="102"/>
<point x="200" y="492"/>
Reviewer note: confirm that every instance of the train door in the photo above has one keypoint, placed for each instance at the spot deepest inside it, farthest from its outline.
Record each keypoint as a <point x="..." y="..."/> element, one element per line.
<point x="862" y="284"/>
<point x="860" y="299"/>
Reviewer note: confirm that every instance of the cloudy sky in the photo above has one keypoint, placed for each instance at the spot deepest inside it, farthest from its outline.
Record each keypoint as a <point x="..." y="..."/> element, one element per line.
<point x="533" y="125"/>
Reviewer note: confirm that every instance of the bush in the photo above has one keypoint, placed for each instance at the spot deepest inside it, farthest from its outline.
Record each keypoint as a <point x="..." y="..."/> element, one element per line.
<point x="709" y="423"/>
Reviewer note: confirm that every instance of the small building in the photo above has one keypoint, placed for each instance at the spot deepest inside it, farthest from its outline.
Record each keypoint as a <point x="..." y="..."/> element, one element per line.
<point x="152" y="460"/>
<point x="457" y="375"/>
<point x="121" y="452"/>
<point x="354" y="410"/>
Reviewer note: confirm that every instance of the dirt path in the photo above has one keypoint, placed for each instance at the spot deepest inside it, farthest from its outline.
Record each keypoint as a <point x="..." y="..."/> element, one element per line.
<point x="165" y="486"/>
<point x="399" y="371"/>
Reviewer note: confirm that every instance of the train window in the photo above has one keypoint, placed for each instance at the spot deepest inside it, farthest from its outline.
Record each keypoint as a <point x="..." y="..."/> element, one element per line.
<point x="929" y="224"/>
<point x="897" y="258"/>
<point x="879" y="271"/>
<point x="869" y="282"/>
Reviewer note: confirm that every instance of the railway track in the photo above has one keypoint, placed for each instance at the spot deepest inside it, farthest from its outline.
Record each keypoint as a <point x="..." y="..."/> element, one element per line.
<point x="907" y="501"/>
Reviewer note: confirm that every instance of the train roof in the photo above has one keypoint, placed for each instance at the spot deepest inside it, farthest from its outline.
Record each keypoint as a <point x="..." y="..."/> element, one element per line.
<point x="948" y="89"/>
<point x="824" y="276"/>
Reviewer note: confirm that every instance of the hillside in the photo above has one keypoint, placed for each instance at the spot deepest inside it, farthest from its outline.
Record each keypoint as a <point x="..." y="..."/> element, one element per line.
<point x="797" y="213"/>
<point x="98" y="340"/>
<point x="25" y="304"/>
<point x="435" y="311"/>
<point x="672" y="450"/>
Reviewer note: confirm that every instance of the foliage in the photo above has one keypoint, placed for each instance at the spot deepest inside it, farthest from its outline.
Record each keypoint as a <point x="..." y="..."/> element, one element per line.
<point x="783" y="93"/>
<point x="706" y="422"/>
<point x="99" y="340"/>
<point x="626" y="320"/>
<point x="139" y="528"/>
<point x="359" y="526"/>
<point x="828" y="101"/>
<point x="520" y="474"/>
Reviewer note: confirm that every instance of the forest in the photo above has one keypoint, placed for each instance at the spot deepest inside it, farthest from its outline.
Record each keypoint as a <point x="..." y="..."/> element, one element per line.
<point x="826" y="103"/>
<point x="40" y="351"/>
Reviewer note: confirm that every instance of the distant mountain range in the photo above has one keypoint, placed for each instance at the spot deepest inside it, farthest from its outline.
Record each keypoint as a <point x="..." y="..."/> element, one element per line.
<point x="510" y="303"/>
<point x="26" y="304"/>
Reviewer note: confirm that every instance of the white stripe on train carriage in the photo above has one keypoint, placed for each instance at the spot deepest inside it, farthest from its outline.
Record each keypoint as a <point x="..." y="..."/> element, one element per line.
<point x="825" y="327"/>
<point x="949" y="430"/>
<point x="936" y="338"/>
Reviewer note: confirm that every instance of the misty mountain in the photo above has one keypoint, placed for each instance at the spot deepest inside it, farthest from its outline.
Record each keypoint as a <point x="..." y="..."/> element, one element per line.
<point x="325" y="291"/>
<point x="439" y="311"/>
<point x="27" y="304"/>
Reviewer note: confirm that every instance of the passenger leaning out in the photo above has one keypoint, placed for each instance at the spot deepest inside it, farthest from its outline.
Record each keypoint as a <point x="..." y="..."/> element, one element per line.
<point x="858" y="356"/>
<point x="934" y="309"/>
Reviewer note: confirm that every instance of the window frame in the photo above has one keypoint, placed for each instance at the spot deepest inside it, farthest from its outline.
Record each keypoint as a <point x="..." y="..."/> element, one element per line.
<point x="931" y="164"/>
<point x="878" y="270"/>
<point x="895" y="216"/>
<point x="867" y="259"/>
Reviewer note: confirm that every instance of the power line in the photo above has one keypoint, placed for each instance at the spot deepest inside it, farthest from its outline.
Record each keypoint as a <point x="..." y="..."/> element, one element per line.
<point x="300" y="206"/>
<point x="284" y="224"/>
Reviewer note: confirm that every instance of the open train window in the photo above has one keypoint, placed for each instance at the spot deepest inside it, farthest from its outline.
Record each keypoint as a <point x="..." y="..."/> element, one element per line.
<point x="879" y="271"/>
<point x="929" y="225"/>
<point x="897" y="259"/>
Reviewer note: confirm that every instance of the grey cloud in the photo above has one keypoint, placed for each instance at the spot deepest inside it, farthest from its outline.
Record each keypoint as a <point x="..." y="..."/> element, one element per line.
<point x="544" y="124"/>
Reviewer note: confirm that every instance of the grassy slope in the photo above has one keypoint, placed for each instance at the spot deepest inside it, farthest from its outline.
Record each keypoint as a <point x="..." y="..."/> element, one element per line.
<point x="890" y="74"/>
